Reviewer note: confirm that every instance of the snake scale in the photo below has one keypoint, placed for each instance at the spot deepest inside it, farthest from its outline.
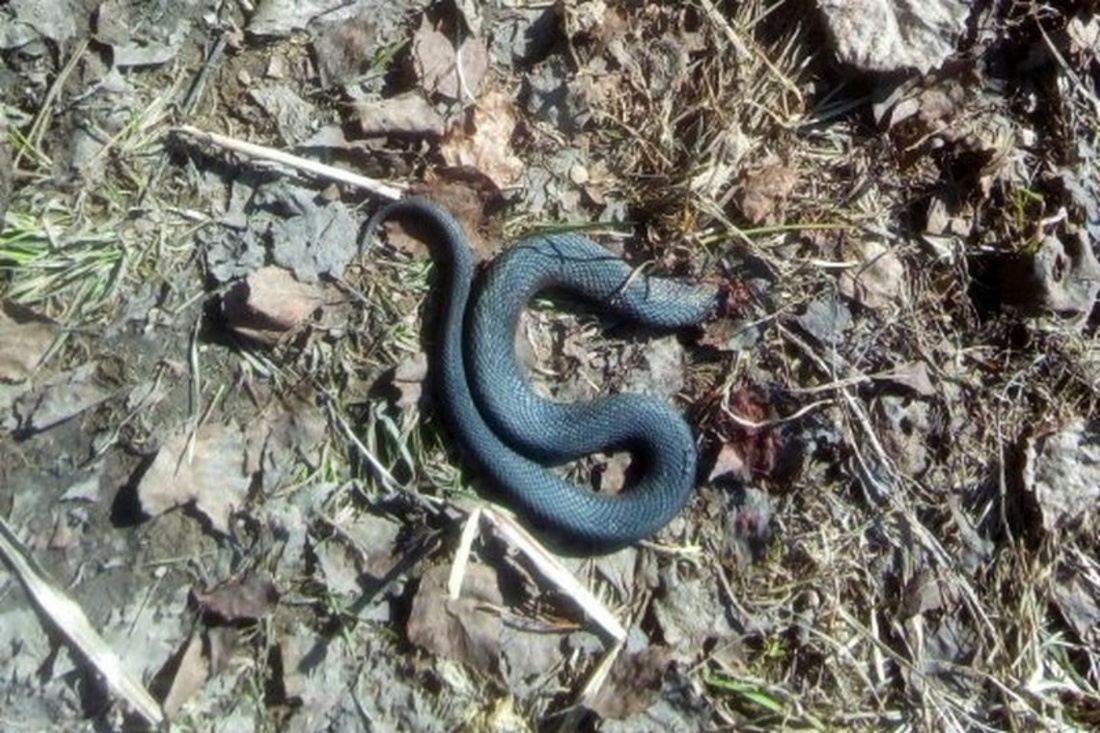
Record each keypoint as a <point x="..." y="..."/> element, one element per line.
<point x="513" y="434"/>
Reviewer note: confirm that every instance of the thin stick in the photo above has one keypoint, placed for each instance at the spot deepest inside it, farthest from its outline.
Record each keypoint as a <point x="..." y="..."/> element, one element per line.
<point x="68" y="618"/>
<point x="552" y="569"/>
<point x="260" y="152"/>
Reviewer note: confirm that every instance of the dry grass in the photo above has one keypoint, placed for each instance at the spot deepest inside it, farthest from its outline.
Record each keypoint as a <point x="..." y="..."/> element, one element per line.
<point x="876" y="574"/>
<point x="875" y="568"/>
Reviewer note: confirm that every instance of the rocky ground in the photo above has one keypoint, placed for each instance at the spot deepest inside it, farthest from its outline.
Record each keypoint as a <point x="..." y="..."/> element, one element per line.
<point x="227" y="500"/>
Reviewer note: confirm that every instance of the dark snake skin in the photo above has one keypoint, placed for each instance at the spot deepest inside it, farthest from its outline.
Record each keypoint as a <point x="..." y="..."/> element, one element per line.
<point x="511" y="432"/>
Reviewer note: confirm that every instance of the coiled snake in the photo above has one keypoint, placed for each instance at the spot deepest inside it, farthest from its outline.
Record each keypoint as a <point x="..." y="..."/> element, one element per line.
<point x="510" y="431"/>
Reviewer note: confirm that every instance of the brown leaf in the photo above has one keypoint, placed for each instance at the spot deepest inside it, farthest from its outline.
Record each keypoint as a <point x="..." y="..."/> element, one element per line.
<point x="408" y="379"/>
<point x="61" y="397"/>
<point x="221" y="641"/>
<point x="24" y="339"/>
<point x="880" y="278"/>
<point x="925" y="593"/>
<point x="947" y="220"/>
<point x="913" y="376"/>
<point x="729" y="464"/>
<point x="207" y="471"/>
<point x="442" y="70"/>
<point x="345" y="49"/>
<point x="286" y="431"/>
<point x="358" y="557"/>
<point x="406" y="114"/>
<point x="763" y="192"/>
<point x="271" y="302"/>
<point x="732" y="329"/>
<point x="1061" y="276"/>
<point x="634" y="683"/>
<point x="205" y="654"/>
<point x="470" y="197"/>
<point x="684" y="612"/>
<point x="748" y="524"/>
<point x="466" y="629"/>
<point x="192" y="670"/>
<point x="1079" y="607"/>
<point x="1084" y="36"/>
<point x="612" y="473"/>
<point x="749" y="447"/>
<point x="249" y="599"/>
<point x="907" y="439"/>
<point x="1060" y="474"/>
<point x="484" y="142"/>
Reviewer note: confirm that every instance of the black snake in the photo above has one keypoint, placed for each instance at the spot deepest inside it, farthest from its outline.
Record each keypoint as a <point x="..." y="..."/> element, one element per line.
<point x="511" y="432"/>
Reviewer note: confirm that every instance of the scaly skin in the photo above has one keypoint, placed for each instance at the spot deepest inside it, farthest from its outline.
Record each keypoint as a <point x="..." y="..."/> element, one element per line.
<point x="509" y="431"/>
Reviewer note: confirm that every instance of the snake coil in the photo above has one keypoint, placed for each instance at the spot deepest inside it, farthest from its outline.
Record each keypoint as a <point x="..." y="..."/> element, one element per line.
<point x="511" y="432"/>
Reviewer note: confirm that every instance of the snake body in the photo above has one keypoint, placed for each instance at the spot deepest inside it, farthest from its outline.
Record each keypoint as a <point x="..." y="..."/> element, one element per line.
<point x="510" y="431"/>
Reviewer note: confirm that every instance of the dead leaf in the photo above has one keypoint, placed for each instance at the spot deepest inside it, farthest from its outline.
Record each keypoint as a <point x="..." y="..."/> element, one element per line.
<point x="526" y="655"/>
<point x="287" y="431"/>
<point x="735" y="328"/>
<point x="879" y="280"/>
<point x="1061" y="277"/>
<point x="192" y="670"/>
<point x="589" y="17"/>
<point x="408" y="379"/>
<point x="25" y="337"/>
<point x="729" y="464"/>
<point x="338" y="566"/>
<point x="912" y="376"/>
<point x="292" y="115"/>
<point x="908" y="438"/>
<point x="470" y="197"/>
<point x="633" y="684"/>
<point x="406" y="114"/>
<point x="748" y="524"/>
<point x="375" y="540"/>
<point x="1060" y="475"/>
<point x="620" y="569"/>
<point x="248" y="599"/>
<point x="826" y="318"/>
<point x="763" y="192"/>
<point x="344" y="50"/>
<point x="360" y="554"/>
<point x="946" y="228"/>
<point x="466" y="629"/>
<point x="271" y="302"/>
<point x="924" y="105"/>
<point x="924" y="593"/>
<point x="500" y="715"/>
<point x="1084" y="37"/>
<point x="281" y="17"/>
<point x="484" y="142"/>
<point x="61" y="397"/>
<point x="685" y="611"/>
<point x="206" y="470"/>
<point x="443" y="70"/>
<point x="611" y="473"/>
<point x="205" y="654"/>
<point x="320" y="238"/>
<point x="750" y="447"/>
<point x="471" y="13"/>
<point x="62" y="535"/>
<point x="1080" y="609"/>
